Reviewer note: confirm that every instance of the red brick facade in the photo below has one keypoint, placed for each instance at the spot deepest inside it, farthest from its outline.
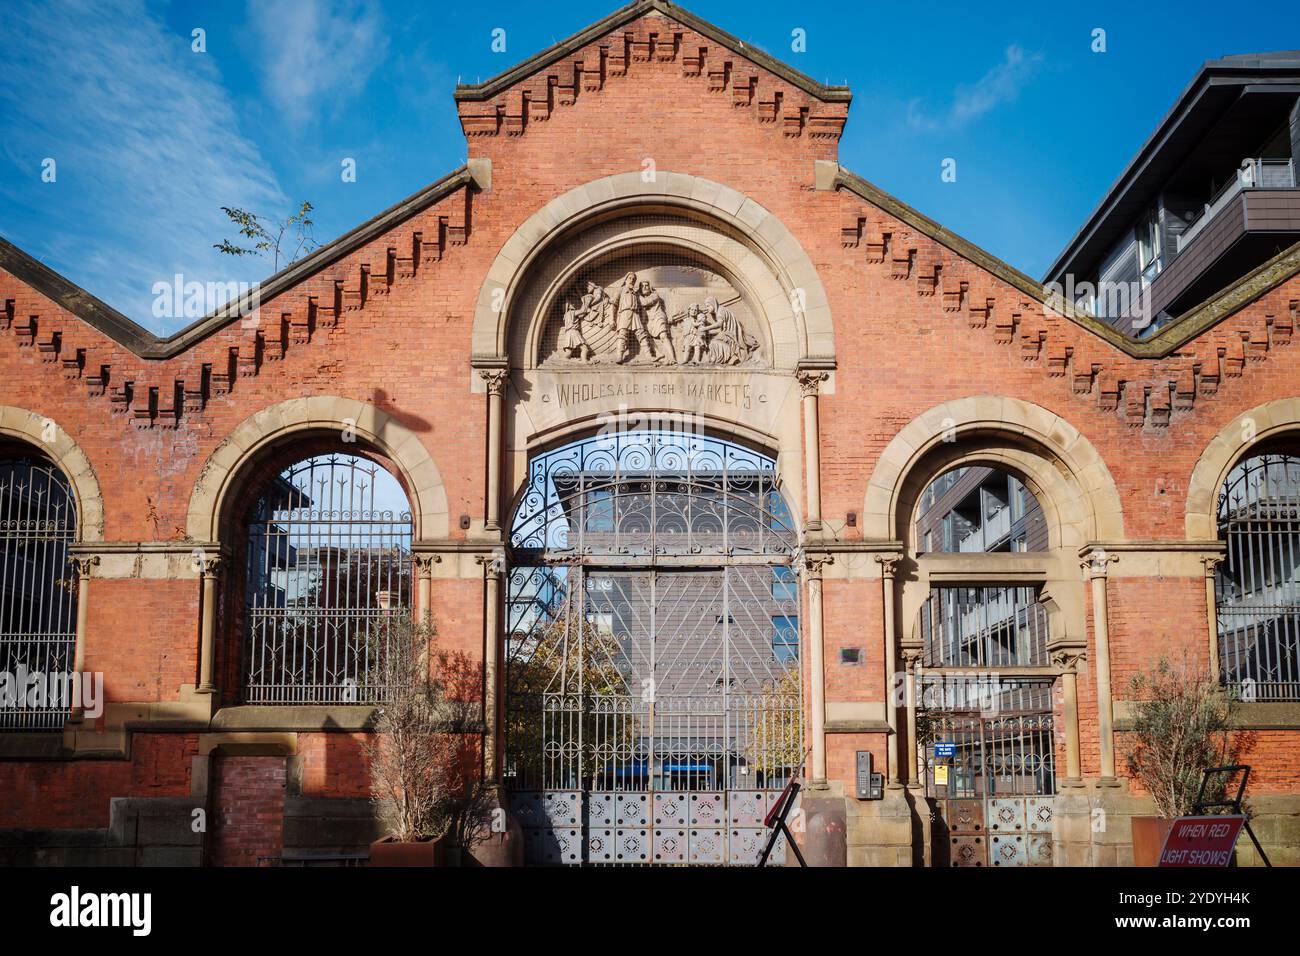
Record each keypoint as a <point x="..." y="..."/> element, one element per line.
<point x="919" y="318"/>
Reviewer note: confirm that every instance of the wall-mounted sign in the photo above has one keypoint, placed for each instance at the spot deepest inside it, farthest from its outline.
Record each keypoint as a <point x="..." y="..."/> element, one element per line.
<point x="945" y="749"/>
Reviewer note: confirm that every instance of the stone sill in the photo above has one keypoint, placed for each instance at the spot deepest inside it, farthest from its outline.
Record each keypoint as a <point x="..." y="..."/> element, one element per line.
<point x="302" y="718"/>
<point x="1262" y="715"/>
<point x="857" y="727"/>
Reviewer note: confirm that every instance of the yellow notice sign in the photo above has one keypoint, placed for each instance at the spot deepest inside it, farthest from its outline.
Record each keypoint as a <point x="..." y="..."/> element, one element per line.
<point x="941" y="775"/>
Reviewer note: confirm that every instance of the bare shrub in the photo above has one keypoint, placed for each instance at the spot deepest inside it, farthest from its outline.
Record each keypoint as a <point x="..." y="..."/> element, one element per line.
<point x="1180" y="727"/>
<point x="424" y="756"/>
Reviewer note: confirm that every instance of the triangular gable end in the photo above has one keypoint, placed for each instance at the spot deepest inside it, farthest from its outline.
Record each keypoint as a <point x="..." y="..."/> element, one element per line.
<point x="652" y="32"/>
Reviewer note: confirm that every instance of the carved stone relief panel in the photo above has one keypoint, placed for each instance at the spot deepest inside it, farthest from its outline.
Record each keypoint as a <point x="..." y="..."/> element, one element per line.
<point x="653" y="308"/>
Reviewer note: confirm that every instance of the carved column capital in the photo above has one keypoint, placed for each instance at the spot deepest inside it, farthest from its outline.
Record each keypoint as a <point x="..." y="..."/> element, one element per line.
<point x="888" y="564"/>
<point x="209" y="565"/>
<point x="496" y="380"/>
<point x="912" y="654"/>
<point x="1068" y="658"/>
<point x="1096" y="564"/>
<point x="493" y="563"/>
<point x="812" y="564"/>
<point x="1211" y="563"/>
<point x="810" y="382"/>
<point x="424" y="563"/>
<point x="84" y="563"/>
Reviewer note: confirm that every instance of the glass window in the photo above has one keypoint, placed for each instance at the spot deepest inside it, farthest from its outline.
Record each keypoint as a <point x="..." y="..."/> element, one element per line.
<point x="785" y="583"/>
<point x="785" y="638"/>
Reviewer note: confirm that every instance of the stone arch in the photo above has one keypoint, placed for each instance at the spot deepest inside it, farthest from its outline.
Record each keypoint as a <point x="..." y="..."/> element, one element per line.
<point x="1264" y="423"/>
<point x="32" y="428"/>
<point x="375" y="429"/>
<point x="1059" y="465"/>
<point x="810" y="329"/>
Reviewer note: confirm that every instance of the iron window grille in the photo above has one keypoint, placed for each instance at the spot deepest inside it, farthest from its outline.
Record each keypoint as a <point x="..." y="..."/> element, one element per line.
<point x="328" y="567"/>
<point x="1257" y="586"/>
<point x="38" y="594"/>
<point x="984" y="627"/>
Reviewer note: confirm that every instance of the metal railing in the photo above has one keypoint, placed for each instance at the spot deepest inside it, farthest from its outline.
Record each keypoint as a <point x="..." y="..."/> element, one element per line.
<point x="651" y="494"/>
<point x="984" y="627"/>
<point x="1253" y="174"/>
<point x="1004" y="748"/>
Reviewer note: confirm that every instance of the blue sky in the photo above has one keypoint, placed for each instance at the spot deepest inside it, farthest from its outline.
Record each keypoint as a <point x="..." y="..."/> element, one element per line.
<point x="150" y="138"/>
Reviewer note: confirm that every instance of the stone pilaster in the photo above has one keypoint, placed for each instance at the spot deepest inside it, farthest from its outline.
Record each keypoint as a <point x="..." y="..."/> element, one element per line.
<point x="812" y="572"/>
<point x="1095" y="568"/>
<point x="496" y="380"/>
<point x="888" y="566"/>
<point x="810" y="383"/>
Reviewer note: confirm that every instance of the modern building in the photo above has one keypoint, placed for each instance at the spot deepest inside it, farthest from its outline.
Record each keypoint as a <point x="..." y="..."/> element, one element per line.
<point x="1210" y="198"/>
<point x="718" y="470"/>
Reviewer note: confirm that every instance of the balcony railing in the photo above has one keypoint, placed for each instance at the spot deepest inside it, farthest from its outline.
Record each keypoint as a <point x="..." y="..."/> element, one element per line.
<point x="995" y="527"/>
<point x="1253" y="174"/>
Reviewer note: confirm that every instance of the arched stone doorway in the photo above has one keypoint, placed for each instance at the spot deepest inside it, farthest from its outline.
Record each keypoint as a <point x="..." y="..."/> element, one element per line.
<point x="653" y="703"/>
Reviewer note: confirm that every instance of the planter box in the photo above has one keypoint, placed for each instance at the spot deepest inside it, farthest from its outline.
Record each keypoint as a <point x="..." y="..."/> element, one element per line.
<point x="1149" y="838"/>
<point x="391" y="852"/>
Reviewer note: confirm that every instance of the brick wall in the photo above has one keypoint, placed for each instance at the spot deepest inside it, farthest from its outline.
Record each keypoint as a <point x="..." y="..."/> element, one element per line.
<point x="899" y="349"/>
<point x="248" y="795"/>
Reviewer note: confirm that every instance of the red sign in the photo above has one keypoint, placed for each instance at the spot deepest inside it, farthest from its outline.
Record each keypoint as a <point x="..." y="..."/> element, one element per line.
<point x="1201" y="841"/>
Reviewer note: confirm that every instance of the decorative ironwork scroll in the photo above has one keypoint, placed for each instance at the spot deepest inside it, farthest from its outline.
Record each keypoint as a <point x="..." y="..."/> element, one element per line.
<point x="651" y="493"/>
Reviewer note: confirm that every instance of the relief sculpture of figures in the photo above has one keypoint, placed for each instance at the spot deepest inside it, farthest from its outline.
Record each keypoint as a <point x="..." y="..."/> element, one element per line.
<point x="630" y="322"/>
<point x="656" y="322"/>
<point x="699" y="320"/>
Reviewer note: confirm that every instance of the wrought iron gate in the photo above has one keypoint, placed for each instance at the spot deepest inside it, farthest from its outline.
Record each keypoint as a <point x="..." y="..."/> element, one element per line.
<point x="993" y="798"/>
<point x="38" y="592"/>
<point x="653" y="715"/>
<point x="653" y="699"/>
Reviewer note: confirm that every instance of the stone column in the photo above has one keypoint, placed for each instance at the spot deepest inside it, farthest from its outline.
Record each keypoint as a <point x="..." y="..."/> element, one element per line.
<point x="888" y="565"/>
<point x="496" y="379"/>
<point x="84" y="564"/>
<point x="912" y="655"/>
<point x="424" y="585"/>
<point x="493" y="570"/>
<point x="1068" y="661"/>
<point x="810" y="383"/>
<point x="1212" y="610"/>
<point x="210" y="567"/>
<point x="1095" y="568"/>
<point x="817" y="664"/>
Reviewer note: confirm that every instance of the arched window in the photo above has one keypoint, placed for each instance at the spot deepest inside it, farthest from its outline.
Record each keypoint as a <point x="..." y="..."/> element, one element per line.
<point x="328" y="557"/>
<point x="985" y="734"/>
<point x="982" y="510"/>
<point x="652" y="649"/>
<point x="1257" y="586"/>
<point x="38" y="594"/>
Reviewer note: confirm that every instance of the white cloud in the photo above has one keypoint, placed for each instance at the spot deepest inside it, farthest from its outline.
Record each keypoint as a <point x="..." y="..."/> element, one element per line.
<point x="148" y="148"/>
<point x="1002" y="84"/>
<point x="316" y="52"/>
